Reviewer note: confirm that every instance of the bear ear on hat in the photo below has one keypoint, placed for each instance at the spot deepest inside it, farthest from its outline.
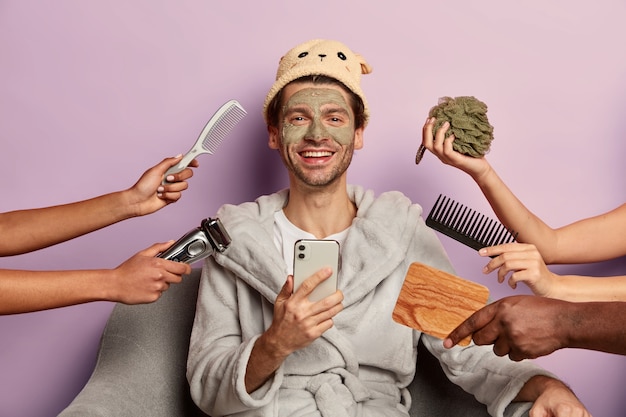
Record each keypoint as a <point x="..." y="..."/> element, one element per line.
<point x="365" y="67"/>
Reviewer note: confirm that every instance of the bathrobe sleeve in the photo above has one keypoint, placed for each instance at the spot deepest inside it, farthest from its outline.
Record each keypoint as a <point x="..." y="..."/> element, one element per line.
<point x="219" y="351"/>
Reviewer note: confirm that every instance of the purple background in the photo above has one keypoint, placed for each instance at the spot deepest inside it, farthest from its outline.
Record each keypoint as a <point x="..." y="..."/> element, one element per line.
<point x="94" y="93"/>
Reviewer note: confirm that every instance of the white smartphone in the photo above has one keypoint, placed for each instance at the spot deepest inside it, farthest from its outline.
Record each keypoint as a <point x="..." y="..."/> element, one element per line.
<point x="309" y="256"/>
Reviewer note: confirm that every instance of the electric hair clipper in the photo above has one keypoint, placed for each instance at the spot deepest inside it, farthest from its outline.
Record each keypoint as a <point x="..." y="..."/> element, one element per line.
<point x="199" y="243"/>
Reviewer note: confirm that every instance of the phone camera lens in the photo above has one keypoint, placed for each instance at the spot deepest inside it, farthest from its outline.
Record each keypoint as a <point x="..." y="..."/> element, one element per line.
<point x="301" y="255"/>
<point x="301" y="247"/>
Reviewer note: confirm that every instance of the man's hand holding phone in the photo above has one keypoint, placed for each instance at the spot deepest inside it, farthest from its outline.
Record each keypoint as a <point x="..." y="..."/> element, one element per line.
<point x="297" y="323"/>
<point x="298" y="320"/>
<point x="299" y="317"/>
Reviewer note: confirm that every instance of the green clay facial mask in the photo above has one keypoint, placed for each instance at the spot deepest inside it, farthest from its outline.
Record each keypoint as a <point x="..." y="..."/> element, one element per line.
<point x="328" y="114"/>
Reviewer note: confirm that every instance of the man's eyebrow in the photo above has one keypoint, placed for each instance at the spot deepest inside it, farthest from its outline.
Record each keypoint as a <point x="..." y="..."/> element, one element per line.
<point x="334" y="108"/>
<point x="298" y="108"/>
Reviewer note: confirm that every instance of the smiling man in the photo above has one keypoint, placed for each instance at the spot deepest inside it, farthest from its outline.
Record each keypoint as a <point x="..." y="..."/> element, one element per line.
<point x="313" y="115"/>
<point x="259" y="348"/>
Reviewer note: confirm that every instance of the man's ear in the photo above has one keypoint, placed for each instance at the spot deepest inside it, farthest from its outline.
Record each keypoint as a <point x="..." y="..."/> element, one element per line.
<point x="358" y="138"/>
<point x="273" y="140"/>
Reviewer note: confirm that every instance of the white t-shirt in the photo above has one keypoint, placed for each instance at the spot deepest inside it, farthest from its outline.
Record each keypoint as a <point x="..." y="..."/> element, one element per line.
<point x="286" y="234"/>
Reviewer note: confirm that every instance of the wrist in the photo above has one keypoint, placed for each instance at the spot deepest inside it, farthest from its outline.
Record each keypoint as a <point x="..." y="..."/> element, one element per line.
<point x="545" y="384"/>
<point x="580" y="325"/>
<point x="558" y="288"/>
<point x="109" y="288"/>
<point x="130" y="205"/>
<point x="271" y="347"/>
<point x="486" y="177"/>
<point x="538" y="385"/>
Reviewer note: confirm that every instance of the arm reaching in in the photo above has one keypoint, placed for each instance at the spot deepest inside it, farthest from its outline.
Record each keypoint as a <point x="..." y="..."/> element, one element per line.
<point x="523" y="263"/>
<point x="594" y="239"/>
<point x="589" y="240"/>
<point x="551" y="397"/>
<point x="526" y="326"/>
<point x="140" y="279"/>
<point x="28" y="230"/>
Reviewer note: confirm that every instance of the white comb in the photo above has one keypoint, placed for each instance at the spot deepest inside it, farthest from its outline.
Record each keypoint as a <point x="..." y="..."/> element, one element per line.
<point x="216" y="129"/>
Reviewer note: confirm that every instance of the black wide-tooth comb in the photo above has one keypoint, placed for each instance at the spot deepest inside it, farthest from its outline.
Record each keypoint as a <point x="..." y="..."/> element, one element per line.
<point x="467" y="225"/>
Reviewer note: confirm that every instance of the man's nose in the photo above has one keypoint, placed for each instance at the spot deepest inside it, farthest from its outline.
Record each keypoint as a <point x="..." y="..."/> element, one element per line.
<point x="316" y="131"/>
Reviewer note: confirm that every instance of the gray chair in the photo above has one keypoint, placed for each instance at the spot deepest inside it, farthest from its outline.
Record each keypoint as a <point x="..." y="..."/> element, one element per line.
<point x="140" y="369"/>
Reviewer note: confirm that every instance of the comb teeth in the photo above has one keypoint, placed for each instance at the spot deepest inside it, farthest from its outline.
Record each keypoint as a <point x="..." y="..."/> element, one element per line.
<point x="230" y="116"/>
<point x="467" y="225"/>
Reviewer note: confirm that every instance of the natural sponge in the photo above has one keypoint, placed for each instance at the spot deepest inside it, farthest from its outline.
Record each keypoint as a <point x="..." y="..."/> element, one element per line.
<point x="468" y="122"/>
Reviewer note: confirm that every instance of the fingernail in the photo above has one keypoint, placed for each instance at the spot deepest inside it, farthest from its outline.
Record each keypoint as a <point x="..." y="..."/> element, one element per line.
<point x="482" y="252"/>
<point x="160" y="189"/>
<point x="170" y="178"/>
<point x="179" y="155"/>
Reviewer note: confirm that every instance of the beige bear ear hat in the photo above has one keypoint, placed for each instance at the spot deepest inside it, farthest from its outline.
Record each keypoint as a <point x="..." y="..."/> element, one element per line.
<point x="321" y="57"/>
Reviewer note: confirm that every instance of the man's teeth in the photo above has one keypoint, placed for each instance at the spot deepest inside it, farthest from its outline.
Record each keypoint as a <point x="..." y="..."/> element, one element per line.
<point x="316" y="154"/>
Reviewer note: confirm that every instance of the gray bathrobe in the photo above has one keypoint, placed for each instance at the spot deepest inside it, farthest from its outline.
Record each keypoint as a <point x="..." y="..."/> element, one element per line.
<point x="361" y="366"/>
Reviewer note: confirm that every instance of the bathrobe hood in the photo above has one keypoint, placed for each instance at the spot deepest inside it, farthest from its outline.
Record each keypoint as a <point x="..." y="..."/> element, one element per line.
<point x="381" y="235"/>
